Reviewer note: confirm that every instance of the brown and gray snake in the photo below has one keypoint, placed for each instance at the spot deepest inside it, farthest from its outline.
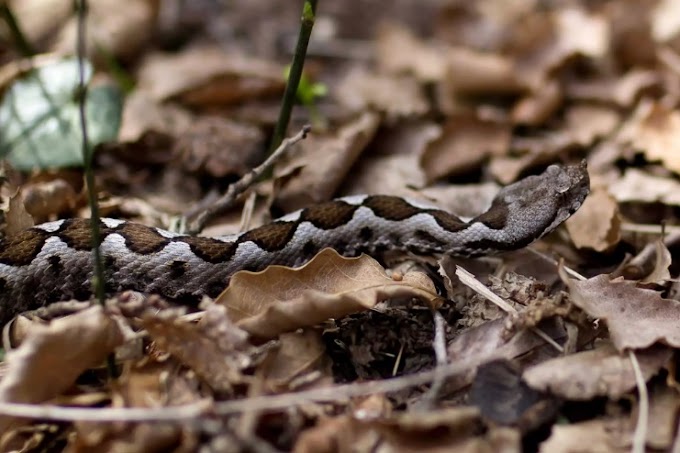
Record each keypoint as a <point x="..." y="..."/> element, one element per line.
<point x="53" y="261"/>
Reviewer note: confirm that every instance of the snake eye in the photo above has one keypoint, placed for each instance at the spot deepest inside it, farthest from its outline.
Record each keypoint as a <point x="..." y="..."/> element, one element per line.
<point x="563" y="184"/>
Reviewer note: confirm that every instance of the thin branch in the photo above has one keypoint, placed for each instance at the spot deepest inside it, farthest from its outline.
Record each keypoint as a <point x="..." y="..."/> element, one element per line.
<point x="98" y="280"/>
<point x="340" y="392"/>
<point x="289" y="95"/>
<point x="270" y="403"/>
<point x="439" y="346"/>
<point x="98" y="283"/>
<point x="554" y="262"/>
<point x="128" y="414"/>
<point x="470" y="281"/>
<point x="640" y="435"/>
<point x="397" y="361"/>
<point x="648" y="229"/>
<point x="228" y="200"/>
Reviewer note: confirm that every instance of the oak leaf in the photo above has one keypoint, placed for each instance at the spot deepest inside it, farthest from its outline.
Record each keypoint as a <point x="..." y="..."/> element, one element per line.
<point x="281" y="299"/>
<point x="636" y="317"/>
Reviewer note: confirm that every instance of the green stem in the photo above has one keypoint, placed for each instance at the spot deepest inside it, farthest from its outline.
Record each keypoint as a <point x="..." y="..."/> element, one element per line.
<point x="98" y="280"/>
<point x="289" y="95"/>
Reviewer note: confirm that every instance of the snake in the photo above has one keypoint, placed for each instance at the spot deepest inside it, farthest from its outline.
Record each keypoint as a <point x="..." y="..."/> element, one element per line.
<point x="53" y="261"/>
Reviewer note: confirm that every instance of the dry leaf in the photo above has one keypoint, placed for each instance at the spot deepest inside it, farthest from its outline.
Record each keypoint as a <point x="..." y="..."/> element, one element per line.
<point x="143" y="115"/>
<point x="655" y="130"/>
<point x="130" y="438"/>
<point x="502" y="396"/>
<point x="507" y="169"/>
<point x="38" y="18"/>
<point x="536" y="108"/>
<point x="641" y="187"/>
<point x="215" y="348"/>
<point x="548" y="41"/>
<point x="281" y="299"/>
<point x="471" y="72"/>
<point x="582" y="32"/>
<point x="600" y="435"/>
<point x="123" y="32"/>
<point x="145" y="384"/>
<point x="457" y="429"/>
<point x="598" y="372"/>
<point x="465" y="142"/>
<point x="207" y="76"/>
<point x="392" y="165"/>
<point x="623" y="91"/>
<point x="636" y="317"/>
<point x="662" y="262"/>
<point x="662" y="425"/>
<point x="220" y="147"/>
<point x="300" y="356"/>
<point x="51" y="357"/>
<point x="651" y="264"/>
<point x="465" y="200"/>
<point x="665" y="20"/>
<point x="361" y="90"/>
<point x="18" y="219"/>
<point x="585" y="123"/>
<point x="488" y="341"/>
<point x="46" y="199"/>
<point x="323" y="162"/>
<point x="597" y="225"/>
<point x="345" y="433"/>
<point x="400" y="51"/>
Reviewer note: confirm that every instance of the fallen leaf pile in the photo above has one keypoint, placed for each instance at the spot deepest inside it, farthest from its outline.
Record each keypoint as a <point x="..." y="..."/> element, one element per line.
<point x="569" y="346"/>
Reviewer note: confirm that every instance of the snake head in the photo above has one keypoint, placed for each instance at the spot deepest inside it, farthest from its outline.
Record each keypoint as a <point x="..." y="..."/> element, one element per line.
<point x="569" y="187"/>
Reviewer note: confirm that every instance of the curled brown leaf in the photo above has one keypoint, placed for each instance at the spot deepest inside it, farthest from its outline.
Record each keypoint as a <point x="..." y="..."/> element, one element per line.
<point x="281" y="299"/>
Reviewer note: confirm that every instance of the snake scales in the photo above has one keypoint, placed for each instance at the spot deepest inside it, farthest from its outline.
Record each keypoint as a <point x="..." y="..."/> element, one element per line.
<point x="53" y="261"/>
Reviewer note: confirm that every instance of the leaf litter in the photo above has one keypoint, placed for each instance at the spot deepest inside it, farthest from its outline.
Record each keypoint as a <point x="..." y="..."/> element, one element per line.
<point x="443" y="105"/>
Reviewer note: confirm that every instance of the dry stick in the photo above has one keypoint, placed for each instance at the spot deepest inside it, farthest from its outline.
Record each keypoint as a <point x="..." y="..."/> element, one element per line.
<point x="648" y="229"/>
<point x="640" y="434"/>
<point x="188" y="412"/>
<point x="397" y="361"/>
<point x="439" y="346"/>
<point x="470" y="281"/>
<point x="554" y="262"/>
<point x="228" y="200"/>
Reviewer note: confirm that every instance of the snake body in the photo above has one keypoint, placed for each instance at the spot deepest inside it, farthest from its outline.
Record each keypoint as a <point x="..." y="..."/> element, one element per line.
<point x="53" y="261"/>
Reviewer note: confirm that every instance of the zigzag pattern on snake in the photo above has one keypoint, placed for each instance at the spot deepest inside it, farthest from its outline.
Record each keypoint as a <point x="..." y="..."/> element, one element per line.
<point x="53" y="261"/>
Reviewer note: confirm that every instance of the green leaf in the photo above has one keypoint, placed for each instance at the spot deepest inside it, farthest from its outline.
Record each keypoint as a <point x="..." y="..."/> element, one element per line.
<point x="307" y="92"/>
<point x="40" y="122"/>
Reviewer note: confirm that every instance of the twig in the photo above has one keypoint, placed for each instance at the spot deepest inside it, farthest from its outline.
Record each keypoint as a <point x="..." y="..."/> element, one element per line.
<point x="289" y="95"/>
<point x="19" y="38"/>
<point x="648" y="229"/>
<point x="439" y="346"/>
<point x="470" y="281"/>
<point x="640" y="435"/>
<point x="98" y="280"/>
<point x="182" y="414"/>
<point x="128" y="414"/>
<point x="397" y="361"/>
<point x="228" y="200"/>
<point x="553" y="261"/>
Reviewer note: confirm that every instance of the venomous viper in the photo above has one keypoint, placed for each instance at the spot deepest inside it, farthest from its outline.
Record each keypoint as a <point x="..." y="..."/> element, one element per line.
<point x="53" y="261"/>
